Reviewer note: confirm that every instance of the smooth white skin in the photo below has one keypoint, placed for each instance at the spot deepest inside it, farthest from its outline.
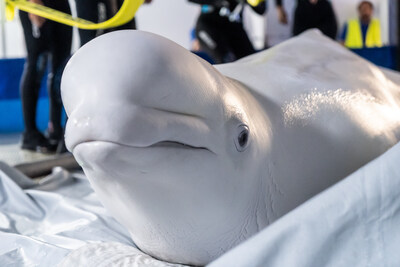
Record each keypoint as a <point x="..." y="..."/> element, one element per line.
<point x="134" y="98"/>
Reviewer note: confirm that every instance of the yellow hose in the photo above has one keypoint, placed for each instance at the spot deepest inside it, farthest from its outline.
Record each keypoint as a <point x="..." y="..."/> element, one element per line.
<point x="255" y="2"/>
<point x="124" y="14"/>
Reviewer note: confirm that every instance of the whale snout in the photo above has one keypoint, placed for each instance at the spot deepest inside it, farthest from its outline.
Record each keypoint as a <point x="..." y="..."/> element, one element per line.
<point x="143" y="69"/>
<point x="136" y="126"/>
<point x="126" y="87"/>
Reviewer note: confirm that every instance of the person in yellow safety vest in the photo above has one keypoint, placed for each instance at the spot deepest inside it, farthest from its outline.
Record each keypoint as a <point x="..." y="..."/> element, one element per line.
<point x="364" y="32"/>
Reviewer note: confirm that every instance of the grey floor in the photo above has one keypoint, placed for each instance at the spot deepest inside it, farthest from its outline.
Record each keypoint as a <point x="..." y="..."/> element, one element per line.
<point x="11" y="153"/>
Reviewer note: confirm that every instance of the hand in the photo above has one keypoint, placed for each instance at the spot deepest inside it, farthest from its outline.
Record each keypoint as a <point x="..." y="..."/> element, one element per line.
<point x="282" y="17"/>
<point x="35" y="19"/>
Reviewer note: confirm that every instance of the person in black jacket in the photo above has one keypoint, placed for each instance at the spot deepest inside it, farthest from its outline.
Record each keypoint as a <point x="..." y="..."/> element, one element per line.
<point x="89" y="10"/>
<point x="45" y="41"/>
<point x="315" y="14"/>
<point x="220" y="31"/>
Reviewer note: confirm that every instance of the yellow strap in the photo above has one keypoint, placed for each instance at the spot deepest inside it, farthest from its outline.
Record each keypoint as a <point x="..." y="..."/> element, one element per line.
<point x="125" y="14"/>
<point x="255" y="2"/>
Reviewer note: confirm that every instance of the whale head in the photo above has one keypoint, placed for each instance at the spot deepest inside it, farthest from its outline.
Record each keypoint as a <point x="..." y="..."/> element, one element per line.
<point x="168" y="143"/>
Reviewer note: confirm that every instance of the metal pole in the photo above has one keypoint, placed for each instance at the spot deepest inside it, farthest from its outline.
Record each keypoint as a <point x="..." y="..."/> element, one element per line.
<point x="3" y="28"/>
<point x="398" y="35"/>
<point x="44" y="167"/>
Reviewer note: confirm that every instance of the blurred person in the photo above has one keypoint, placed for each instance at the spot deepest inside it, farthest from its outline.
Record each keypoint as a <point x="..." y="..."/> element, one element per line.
<point x="89" y="10"/>
<point x="282" y="15"/>
<point x="195" y="48"/>
<point x="315" y="14"/>
<point x="220" y="31"/>
<point x="363" y="31"/>
<point x="46" y="41"/>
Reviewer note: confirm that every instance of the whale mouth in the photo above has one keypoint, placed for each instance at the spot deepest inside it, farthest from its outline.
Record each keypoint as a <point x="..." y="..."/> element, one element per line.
<point x="175" y="144"/>
<point x="161" y="144"/>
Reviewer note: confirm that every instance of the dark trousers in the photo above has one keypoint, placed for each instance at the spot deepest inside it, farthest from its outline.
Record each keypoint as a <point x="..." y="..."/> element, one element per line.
<point x="218" y="37"/>
<point x="320" y="16"/>
<point x="51" y="43"/>
<point x="88" y="9"/>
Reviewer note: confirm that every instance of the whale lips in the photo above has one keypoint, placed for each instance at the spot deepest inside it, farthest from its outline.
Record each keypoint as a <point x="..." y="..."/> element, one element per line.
<point x="174" y="144"/>
<point x="161" y="144"/>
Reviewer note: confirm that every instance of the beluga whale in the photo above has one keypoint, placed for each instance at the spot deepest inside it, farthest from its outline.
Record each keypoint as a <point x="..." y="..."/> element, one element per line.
<point x="193" y="159"/>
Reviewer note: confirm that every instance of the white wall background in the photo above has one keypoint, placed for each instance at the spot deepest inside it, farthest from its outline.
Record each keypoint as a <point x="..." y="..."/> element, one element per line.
<point x="170" y="18"/>
<point x="12" y="42"/>
<point x="174" y="19"/>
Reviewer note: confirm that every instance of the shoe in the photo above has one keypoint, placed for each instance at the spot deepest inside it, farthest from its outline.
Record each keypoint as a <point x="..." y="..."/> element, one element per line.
<point x="35" y="141"/>
<point x="61" y="148"/>
<point x="56" y="139"/>
<point x="55" y="136"/>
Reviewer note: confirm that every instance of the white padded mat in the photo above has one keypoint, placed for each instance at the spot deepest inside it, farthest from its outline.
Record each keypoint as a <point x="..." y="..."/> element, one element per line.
<point x="354" y="223"/>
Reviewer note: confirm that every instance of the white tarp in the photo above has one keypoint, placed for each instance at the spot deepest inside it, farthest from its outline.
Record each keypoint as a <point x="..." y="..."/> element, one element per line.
<point x="60" y="222"/>
<point x="40" y="227"/>
<point x="354" y="223"/>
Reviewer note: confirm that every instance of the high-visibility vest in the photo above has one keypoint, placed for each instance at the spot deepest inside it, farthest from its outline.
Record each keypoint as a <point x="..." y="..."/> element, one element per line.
<point x="354" y="35"/>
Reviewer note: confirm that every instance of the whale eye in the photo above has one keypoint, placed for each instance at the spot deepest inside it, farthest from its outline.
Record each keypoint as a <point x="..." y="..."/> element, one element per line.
<point x="242" y="139"/>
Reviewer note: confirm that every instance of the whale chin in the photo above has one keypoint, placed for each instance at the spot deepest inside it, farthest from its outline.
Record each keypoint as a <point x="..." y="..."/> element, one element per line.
<point x="158" y="193"/>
